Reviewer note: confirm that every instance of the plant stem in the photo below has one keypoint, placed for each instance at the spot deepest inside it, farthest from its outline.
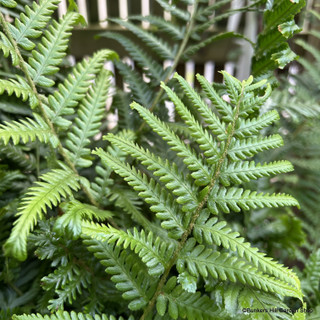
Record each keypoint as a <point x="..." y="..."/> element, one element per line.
<point x="41" y="107"/>
<point x="195" y="215"/>
<point x="177" y="58"/>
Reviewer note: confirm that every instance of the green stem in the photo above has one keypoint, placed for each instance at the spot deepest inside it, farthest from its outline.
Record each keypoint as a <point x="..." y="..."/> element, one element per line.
<point x="177" y="58"/>
<point x="41" y="107"/>
<point x="194" y="216"/>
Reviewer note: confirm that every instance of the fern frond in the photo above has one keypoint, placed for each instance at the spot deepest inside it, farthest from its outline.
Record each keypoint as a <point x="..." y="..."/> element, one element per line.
<point x="140" y="90"/>
<point x="74" y="213"/>
<point x="176" y="32"/>
<point x="30" y="25"/>
<point x="8" y="3"/>
<point x="47" y="193"/>
<point x="88" y="121"/>
<point x="241" y="149"/>
<point x="222" y="106"/>
<point x="250" y="127"/>
<point x="244" y="171"/>
<point x="238" y="198"/>
<point x="155" y="253"/>
<point x="7" y="48"/>
<point x="213" y="122"/>
<point x="161" y="202"/>
<point x="20" y="88"/>
<point x="200" y="171"/>
<point x="127" y="272"/>
<point x="64" y="315"/>
<point x="158" y="46"/>
<point x="217" y="232"/>
<point x="75" y="87"/>
<point x="50" y="52"/>
<point x="203" y="261"/>
<point x="312" y="270"/>
<point x="27" y="130"/>
<point x="179" y="303"/>
<point x="144" y="61"/>
<point x="168" y="174"/>
<point x="174" y="10"/>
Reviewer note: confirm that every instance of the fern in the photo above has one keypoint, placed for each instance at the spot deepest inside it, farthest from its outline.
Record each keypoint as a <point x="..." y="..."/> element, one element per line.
<point x="56" y="184"/>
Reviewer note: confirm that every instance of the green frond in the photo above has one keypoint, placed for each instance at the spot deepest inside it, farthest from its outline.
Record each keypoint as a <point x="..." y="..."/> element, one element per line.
<point x="32" y="23"/>
<point x="161" y="202"/>
<point x="7" y="48"/>
<point x="52" y="49"/>
<point x="174" y="10"/>
<point x="222" y="106"/>
<point x="236" y="199"/>
<point x="202" y="136"/>
<point x="158" y="46"/>
<point x="244" y="171"/>
<point x="67" y="281"/>
<point x="168" y="173"/>
<point x="75" y="87"/>
<point x="88" y="121"/>
<point x="20" y="88"/>
<point x="204" y="261"/>
<point x="174" y="31"/>
<point x="155" y="253"/>
<point x="213" y="231"/>
<point x="180" y="304"/>
<point x="248" y="127"/>
<point x="144" y="61"/>
<point x="234" y="88"/>
<point x="206" y="11"/>
<point x="74" y="213"/>
<point x="140" y="90"/>
<point x="47" y="193"/>
<point x="27" y="130"/>
<point x="127" y="272"/>
<point x="312" y="271"/>
<point x="200" y="171"/>
<point x="241" y="149"/>
<point x="8" y="3"/>
<point x="64" y="315"/>
<point x="213" y="122"/>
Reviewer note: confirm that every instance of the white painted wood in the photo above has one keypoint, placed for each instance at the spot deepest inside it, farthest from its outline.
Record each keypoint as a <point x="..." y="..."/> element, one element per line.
<point x="103" y="13"/>
<point x="62" y="8"/>
<point x="123" y="9"/>
<point x="209" y="69"/>
<point x="189" y="72"/>
<point x="82" y="5"/>
<point x="145" y="11"/>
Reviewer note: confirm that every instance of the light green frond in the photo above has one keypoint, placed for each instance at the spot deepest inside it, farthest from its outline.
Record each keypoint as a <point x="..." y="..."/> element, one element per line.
<point x="176" y="32"/>
<point x="27" y="130"/>
<point x="155" y="253"/>
<point x="88" y="121"/>
<point x="144" y="61"/>
<point x="174" y="10"/>
<point x="212" y="231"/>
<point x="75" y="87"/>
<point x="236" y="199"/>
<point x="168" y="173"/>
<point x="74" y="213"/>
<point x="128" y="273"/>
<point x="8" y="3"/>
<point x="7" y="48"/>
<point x="20" y="88"/>
<point x="161" y="202"/>
<point x="250" y="127"/>
<point x="222" y="106"/>
<point x="46" y="193"/>
<point x="64" y="315"/>
<point x="32" y="23"/>
<point x="213" y="122"/>
<point x="234" y="88"/>
<point x="158" y="46"/>
<point x="312" y="271"/>
<point x="204" y="261"/>
<point x="50" y="52"/>
<point x="200" y="171"/>
<point x="202" y="136"/>
<point x="241" y="149"/>
<point x="180" y="304"/>
<point x="244" y="171"/>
